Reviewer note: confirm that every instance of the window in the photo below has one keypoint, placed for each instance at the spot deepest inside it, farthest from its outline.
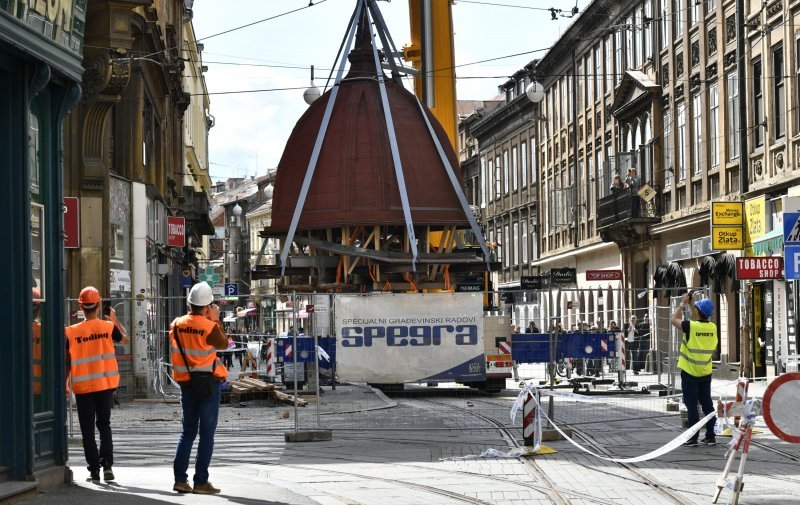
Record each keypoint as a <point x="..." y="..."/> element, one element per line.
<point x="597" y="80"/>
<point x="483" y="183"/>
<point x="713" y="181"/>
<point x="498" y="180"/>
<point x="630" y="31"/>
<point x="514" y="254"/>
<point x="697" y="158"/>
<point x="501" y="251"/>
<point x="489" y="181"/>
<point x="779" y="94"/>
<point x="570" y="96"/>
<point x="506" y="174"/>
<point x="534" y="162"/>
<point x="713" y="124"/>
<point x="515" y="167"/>
<point x="589" y="88"/>
<point x="697" y="192"/>
<point x="677" y="17"/>
<point x="695" y="11"/>
<point x="617" y="57"/>
<point x="647" y="30"/>
<point x="579" y="101"/>
<point x="523" y="153"/>
<point x="711" y="5"/>
<point x="607" y="67"/>
<point x="733" y="116"/>
<point x="524" y="241"/>
<point x="796" y="106"/>
<point x="758" y="104"/>
<point x="680" y="165"/>
<point x="506" y="249"/>
<point x="664" y="27"/>
<point x="562" y="101"/>
<point x="638" y="37"/>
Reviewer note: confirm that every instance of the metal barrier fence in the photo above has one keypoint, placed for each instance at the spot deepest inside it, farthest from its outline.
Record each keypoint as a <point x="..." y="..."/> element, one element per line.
<point x="290" y="341"/>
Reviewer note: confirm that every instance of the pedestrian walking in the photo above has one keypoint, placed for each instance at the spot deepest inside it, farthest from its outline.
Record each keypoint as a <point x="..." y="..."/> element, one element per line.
<point x="195" y="339"/>
<point x="694" y="359"/>
<point x="95" y="376"/>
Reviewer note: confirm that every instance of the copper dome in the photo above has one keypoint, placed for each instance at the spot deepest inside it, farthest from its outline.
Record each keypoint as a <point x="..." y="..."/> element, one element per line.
<point x="355" y="182"/>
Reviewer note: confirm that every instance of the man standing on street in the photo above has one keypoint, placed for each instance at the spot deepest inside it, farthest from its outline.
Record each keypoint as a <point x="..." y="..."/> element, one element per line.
<point x="195" y="339"/>
<point x="694" y="359"/>
<point x="92" y="362"/>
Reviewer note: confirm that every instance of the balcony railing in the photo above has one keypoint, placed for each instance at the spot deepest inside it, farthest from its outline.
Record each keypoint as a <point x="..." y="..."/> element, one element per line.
<point x="625" y="207"/>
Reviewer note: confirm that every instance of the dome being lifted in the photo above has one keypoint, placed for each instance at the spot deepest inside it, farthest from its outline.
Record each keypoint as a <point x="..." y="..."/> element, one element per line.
<point x="355" y="180"/>
<point x="371" y="183"/>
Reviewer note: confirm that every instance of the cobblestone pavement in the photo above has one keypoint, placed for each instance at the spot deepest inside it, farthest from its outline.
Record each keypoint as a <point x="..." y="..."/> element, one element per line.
<point x="419" y="448"/>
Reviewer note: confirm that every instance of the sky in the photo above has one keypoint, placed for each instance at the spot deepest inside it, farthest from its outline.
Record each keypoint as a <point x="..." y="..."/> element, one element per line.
<point x="252" y="127"/>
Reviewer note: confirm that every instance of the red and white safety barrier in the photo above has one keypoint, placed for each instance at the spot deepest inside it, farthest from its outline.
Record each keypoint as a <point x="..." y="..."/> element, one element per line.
<point x="741" y="396"/>
<point x="270" y="357"/>
<point x="620" y="348"/>
<point x="504" y="348"/>
<point x="531" y="422"/>
<point x="604" y="345"/>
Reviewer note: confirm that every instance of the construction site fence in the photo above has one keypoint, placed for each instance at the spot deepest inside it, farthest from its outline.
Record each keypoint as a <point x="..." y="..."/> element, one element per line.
<point x="589" y="392"/>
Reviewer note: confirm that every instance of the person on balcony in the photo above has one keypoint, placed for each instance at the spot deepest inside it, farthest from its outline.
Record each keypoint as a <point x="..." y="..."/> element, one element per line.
<point x="632" y="180"/>
<point x="616" y="184"/>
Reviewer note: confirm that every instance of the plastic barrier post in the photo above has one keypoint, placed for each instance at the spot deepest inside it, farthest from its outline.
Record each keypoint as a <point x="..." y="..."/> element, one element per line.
<point x="741" y="395"/>
<point x="270" y="358"/>
<point x="528" y="420"/>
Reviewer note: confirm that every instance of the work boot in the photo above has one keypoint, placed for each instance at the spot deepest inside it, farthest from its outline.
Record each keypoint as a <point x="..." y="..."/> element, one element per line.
<point x="182" y="487"/>
<point x="95" y="475"/>
<point x="206" y="488"/>
<point x="108" y="474"/>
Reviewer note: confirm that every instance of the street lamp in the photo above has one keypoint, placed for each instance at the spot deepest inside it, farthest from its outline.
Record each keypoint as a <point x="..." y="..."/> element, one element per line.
<point x="535" y="92"/>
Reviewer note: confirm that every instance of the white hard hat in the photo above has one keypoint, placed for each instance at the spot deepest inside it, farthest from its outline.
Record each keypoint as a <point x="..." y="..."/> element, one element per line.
<point x="201" y="294"/>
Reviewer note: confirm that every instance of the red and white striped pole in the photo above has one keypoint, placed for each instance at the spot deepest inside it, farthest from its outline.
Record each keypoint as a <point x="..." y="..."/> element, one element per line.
<point x="741" y="396"/>
<point x="270" y="358"/>
<point x="529" y="419"/>
<point x="621" y="363"/>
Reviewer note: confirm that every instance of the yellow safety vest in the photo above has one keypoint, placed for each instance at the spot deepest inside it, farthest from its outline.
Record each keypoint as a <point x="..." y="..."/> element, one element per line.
<point x="697" y="350"/>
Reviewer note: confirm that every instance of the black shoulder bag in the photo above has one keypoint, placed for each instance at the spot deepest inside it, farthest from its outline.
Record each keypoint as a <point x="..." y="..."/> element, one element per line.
<point x="200" y="382"/>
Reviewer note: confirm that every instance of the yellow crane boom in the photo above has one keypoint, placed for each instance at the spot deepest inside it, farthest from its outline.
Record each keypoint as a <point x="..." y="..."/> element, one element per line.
<point x="431" y="53"/>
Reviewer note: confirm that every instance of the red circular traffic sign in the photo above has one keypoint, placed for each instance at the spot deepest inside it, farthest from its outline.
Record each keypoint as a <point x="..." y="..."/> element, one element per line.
<point x="780" y="407"/>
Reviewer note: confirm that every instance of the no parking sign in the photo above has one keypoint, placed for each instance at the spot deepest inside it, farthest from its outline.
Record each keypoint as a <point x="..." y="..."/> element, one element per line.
<point x="781" y="405"/>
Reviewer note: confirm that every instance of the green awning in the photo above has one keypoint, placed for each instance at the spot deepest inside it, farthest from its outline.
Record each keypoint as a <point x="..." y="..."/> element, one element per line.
<point x="767" y="245"/>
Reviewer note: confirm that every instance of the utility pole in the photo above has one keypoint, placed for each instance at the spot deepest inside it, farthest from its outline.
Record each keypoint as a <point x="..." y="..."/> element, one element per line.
<point x="744" y="182"/>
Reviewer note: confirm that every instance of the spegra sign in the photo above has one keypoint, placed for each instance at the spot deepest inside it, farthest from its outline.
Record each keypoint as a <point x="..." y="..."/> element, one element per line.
<point x="604" y="275"/>
<point x="176" y="231"/>
<point x="759" y="268"/>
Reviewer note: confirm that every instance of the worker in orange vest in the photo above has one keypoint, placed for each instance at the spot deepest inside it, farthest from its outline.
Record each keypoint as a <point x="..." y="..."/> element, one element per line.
<point x="92" y="362"/>
<point x="195" y="339"/>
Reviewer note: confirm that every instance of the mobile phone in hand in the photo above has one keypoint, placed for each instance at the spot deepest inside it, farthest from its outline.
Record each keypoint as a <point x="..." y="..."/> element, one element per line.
<point x="106" y="307"/>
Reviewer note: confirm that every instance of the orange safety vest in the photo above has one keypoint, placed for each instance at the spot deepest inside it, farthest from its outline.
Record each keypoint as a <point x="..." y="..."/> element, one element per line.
<point x="193" y="330"/>
<point x="91" y="351"/>
<point x="37" y="358"/>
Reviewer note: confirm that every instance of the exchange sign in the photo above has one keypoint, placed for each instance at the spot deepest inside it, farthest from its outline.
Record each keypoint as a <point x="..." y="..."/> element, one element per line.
<point x="727" y="237"/>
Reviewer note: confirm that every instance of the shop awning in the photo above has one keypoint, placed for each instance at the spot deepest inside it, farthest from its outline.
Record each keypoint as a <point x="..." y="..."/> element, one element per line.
<point x="767" y="245"/>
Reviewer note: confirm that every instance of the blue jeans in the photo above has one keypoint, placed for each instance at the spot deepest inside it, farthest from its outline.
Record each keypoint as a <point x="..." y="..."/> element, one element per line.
<point x="202" y="412"/>
<point x="698" y="390"/>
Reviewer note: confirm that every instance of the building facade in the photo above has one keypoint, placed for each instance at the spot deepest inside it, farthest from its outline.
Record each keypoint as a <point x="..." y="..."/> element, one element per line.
<point x="654" y="86"/>
<point x="40" y="73"/>
<point x="136" y="159"/>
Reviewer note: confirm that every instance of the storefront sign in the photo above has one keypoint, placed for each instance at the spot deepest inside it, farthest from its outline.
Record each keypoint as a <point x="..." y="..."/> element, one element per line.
<point x="61" y="21"/>
<point x="604" y="275"/>
<point x="563" y="276"/>
<point x="72" y="226"/>
<point x="755" y="211"/>
<point x="727" y="238"/>
<point x="469" y="287"/>
<point x="759" y="268"/>
<point x="679" y="251"/>
<point x="727" y="213"/>
<point x="702" y="247"/>
<point x="176" y="231"/>
<point x="530" y="283"/>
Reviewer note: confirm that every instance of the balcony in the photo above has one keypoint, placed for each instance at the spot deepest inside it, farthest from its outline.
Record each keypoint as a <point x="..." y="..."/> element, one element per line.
<point x="623" y="216"/>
